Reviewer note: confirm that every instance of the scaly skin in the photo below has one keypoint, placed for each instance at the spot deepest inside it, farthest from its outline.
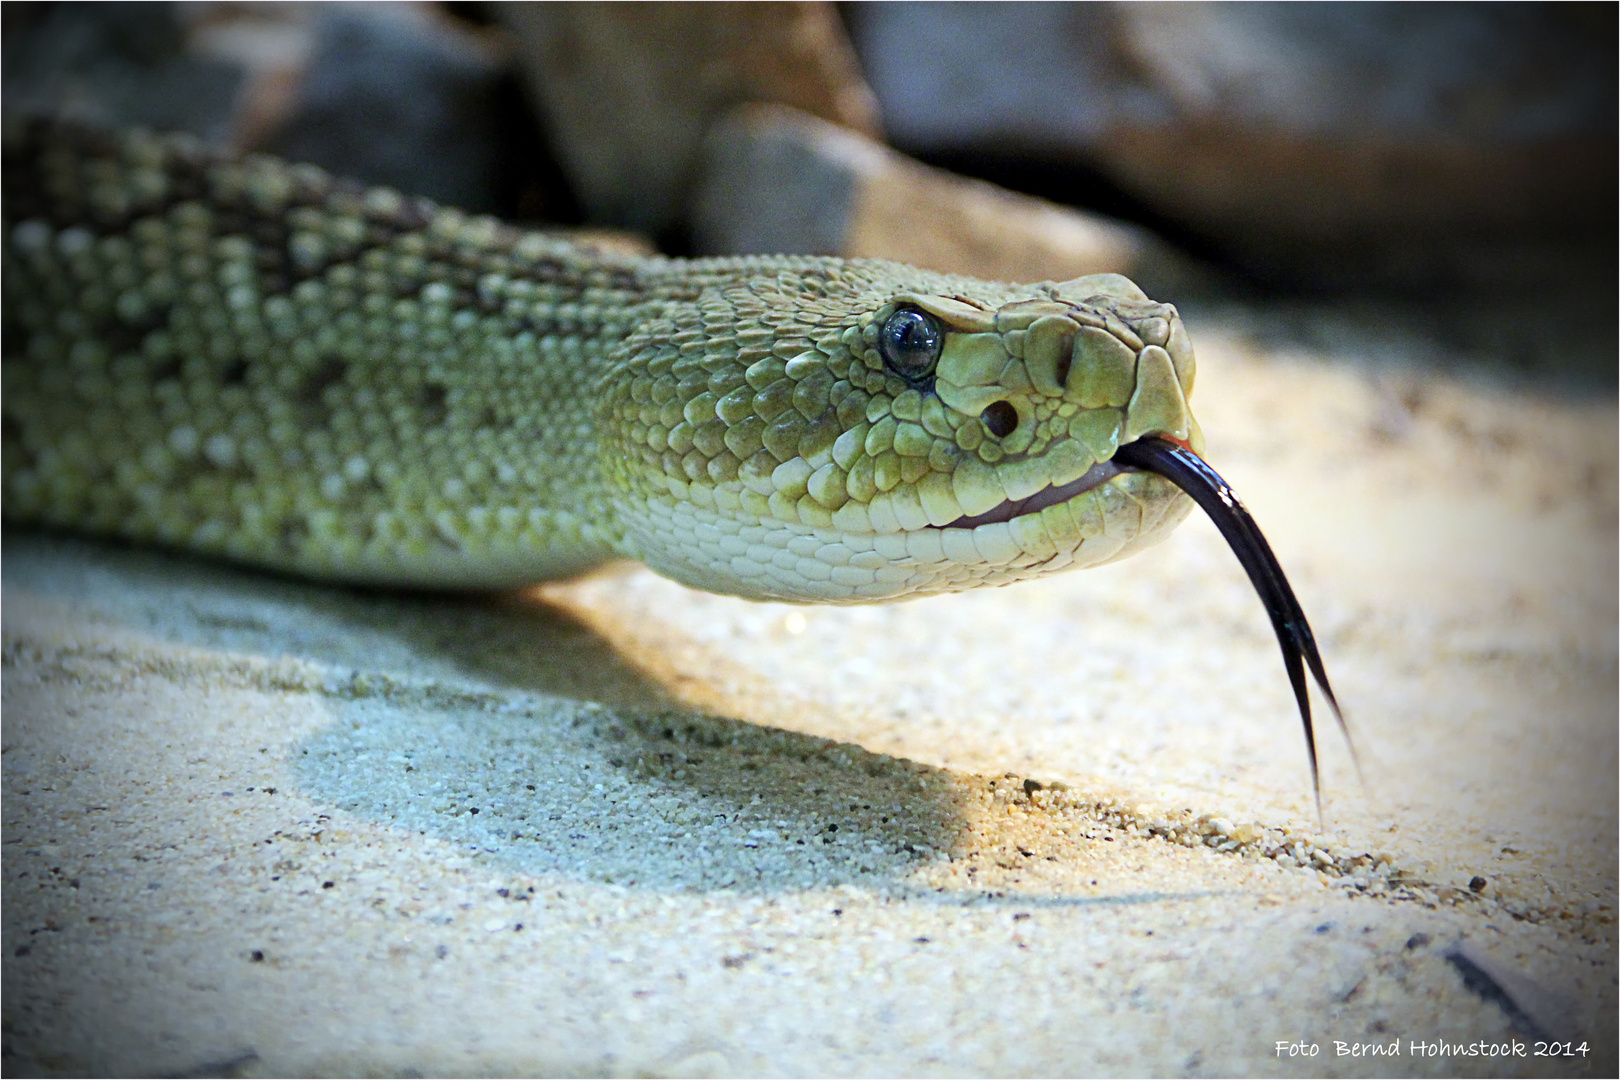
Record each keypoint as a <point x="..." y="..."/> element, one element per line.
<point x="253" y="360"/>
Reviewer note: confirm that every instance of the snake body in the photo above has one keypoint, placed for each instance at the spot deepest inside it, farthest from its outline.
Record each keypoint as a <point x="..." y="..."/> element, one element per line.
<point x="254" y="360"/>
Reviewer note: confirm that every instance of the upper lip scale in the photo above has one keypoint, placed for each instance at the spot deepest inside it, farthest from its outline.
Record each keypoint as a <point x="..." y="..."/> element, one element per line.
<point x="1099" y="473"/>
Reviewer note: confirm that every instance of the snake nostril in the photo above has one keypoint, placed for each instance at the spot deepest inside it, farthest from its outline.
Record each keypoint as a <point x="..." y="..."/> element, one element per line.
<point x="1000" y="419"/>
<point x="1061" y="375"/>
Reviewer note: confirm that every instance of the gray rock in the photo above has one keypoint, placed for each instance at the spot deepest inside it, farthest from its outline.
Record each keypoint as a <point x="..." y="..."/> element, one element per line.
<point x="388" y="93"/>
<point x="114" y="65"/>
<point x="395" y="94"/>
<point x="1321" y="143"/>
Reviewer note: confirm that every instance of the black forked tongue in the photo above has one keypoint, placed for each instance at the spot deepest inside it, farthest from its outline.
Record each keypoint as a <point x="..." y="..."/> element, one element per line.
<point x="1192" y="475"/>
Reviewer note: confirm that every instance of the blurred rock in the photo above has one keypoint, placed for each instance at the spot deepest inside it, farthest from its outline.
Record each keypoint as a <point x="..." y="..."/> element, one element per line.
<point x="1314" y="143"/>
<point x="397" y="94"/>
<point x="388" y="93"/>
<point x="777" y="180"/>
<point x="1538" y="1013"/>
<point x="628" y="91"/>
<point x="116" y="65"/>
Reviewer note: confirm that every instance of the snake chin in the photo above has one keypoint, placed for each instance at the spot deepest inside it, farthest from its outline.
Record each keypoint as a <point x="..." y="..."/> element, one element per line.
<point x="1096" y="476"/>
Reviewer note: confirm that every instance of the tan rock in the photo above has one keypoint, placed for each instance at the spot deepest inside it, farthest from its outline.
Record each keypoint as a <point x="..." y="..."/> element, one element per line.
<point x="778" y="180"/>
<point x="628" y="90"/>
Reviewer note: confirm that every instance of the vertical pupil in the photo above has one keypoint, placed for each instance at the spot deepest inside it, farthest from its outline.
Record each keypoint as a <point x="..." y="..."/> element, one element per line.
<point x="913" y="334"/>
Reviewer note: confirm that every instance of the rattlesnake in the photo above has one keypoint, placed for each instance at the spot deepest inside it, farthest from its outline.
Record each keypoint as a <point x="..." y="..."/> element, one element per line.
<point x="257" y="361"/>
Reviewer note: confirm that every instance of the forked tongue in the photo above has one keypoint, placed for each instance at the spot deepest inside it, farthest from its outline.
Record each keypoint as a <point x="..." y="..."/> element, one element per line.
<point x="1192" y="475"/>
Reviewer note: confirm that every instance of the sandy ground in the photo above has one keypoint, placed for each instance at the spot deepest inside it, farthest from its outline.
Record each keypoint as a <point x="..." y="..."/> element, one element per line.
<point x="258" y="827"/>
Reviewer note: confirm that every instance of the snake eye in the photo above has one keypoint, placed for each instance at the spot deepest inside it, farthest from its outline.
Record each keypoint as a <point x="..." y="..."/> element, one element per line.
<point x="911" y="342"/>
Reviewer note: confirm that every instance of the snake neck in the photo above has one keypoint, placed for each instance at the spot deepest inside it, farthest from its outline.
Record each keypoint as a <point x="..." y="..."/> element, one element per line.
<point x="261" y="361"/>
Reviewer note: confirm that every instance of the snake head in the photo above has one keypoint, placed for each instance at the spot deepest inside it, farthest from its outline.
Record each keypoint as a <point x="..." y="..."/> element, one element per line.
<point x="1057" y="383"/>
<point x="863" y="431"/>
<point x="1097" y="362"/>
